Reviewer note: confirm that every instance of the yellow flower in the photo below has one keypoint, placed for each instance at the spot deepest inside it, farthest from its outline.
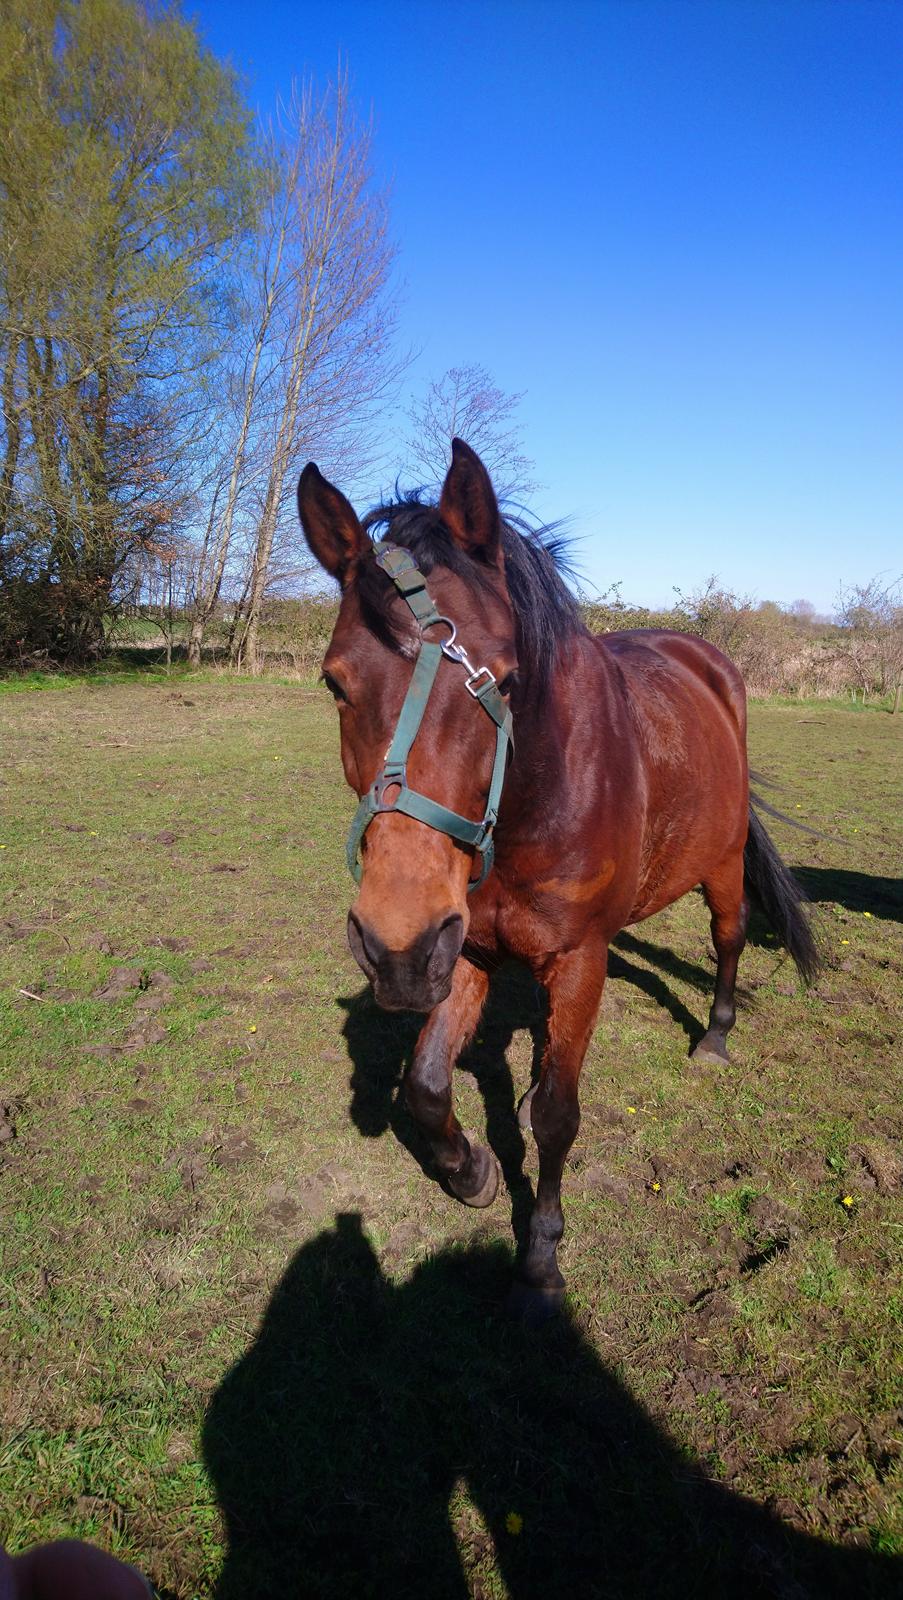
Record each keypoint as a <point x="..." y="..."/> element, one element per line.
<point x="253" y="1028"/>
<point x="866" y="913"/>
<point x="631" y="1111"/>
<point x="844" y="941"/>
<point x="656" y="1187"/>
<point x="92" y="834"/>
<point x="514" y="1522"/>
<point x="849" y="1201"/>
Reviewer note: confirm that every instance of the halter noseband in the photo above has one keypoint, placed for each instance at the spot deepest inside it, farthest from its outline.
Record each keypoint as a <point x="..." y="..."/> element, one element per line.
<point x="390" y="791"/>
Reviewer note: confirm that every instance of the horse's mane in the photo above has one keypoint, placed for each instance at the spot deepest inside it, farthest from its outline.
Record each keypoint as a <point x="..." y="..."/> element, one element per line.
<point x="546" y="612"/>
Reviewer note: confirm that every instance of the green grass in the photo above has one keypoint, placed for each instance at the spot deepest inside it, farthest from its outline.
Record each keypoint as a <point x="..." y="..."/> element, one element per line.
<point x="250" y="1345"/>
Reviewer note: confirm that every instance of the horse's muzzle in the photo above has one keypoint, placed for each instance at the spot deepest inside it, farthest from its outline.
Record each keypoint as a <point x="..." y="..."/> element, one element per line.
<point x="415" y="979"/>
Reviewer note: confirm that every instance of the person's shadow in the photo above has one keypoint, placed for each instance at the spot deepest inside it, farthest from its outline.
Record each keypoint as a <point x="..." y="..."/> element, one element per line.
<point x="383" y="1439"/>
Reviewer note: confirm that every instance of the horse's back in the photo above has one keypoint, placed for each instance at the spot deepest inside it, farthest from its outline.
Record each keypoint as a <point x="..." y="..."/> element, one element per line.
<point x="688" y="705"/>
<point x="645" y="654"/>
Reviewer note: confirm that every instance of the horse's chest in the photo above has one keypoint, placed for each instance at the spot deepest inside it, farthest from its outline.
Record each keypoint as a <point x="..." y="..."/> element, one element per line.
<point x="542" y="915"/>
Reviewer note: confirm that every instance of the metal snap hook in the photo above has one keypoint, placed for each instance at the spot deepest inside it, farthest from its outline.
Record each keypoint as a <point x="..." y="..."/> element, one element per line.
<point x="448" y="647"/>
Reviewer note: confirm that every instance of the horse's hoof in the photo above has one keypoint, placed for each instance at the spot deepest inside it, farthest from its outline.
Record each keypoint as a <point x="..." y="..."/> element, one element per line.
<point x="483" y="1185"/>
<point x="711" y="1052"/>
<point x="531" y="1306"/>
<point x="523" y="1110"/>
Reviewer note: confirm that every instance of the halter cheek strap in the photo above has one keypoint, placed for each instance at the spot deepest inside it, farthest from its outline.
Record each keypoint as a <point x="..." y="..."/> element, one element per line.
<point x="390" y="791"/>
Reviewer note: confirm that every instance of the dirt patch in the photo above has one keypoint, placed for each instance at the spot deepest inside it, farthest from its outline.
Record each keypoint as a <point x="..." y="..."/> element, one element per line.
<point x="601" y="1179"/>
<point x="118" y="983"/>
<point x="875" y="1164"/>
<point x="236" y="1150"/>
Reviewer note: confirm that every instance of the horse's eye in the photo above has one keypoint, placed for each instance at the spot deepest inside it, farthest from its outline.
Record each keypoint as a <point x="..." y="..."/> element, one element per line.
<point x="335" y="689"/>
<point x="507" y="683"/>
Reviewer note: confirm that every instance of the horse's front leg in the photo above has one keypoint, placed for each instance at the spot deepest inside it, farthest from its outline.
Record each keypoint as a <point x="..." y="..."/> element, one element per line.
<point x="574" y="983"/>
<point x="471" y="1171"/>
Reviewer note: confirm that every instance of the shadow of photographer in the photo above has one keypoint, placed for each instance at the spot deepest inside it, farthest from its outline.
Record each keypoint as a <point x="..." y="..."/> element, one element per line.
<point x="341" y="1446"/>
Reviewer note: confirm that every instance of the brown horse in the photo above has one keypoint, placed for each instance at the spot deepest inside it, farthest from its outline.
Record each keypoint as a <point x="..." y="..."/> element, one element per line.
<point x="629" y="787"/>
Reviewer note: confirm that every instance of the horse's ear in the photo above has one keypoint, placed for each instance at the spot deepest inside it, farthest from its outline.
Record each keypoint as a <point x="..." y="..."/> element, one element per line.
<point x="330" y="526"/>
<point x="468" y="506"/>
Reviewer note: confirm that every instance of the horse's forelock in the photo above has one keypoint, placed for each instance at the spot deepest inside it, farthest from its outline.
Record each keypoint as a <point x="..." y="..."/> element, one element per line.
<point x="545" y="611"/>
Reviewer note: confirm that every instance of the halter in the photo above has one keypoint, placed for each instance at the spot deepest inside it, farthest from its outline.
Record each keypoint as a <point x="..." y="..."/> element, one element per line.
<point x="400" y="566"/>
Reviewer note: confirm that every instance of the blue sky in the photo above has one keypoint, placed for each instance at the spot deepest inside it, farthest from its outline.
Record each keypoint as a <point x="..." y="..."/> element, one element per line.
<point x="679" y="227"/>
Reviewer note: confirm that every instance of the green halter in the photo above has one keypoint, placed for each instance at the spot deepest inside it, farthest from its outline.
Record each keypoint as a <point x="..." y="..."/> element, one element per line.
<point x="400" y="566"/>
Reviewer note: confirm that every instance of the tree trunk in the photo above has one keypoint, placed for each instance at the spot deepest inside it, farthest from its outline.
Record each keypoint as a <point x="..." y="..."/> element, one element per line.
<point x="196" y="639"/>
<point x="206" y="601"/>
<point x="307" y="314"/>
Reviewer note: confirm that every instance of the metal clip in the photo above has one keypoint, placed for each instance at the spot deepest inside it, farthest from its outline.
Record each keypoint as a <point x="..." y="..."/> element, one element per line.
<point x="475" y="676"/>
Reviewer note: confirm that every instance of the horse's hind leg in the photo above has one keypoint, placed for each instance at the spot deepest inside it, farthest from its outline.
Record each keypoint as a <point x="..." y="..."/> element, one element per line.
<point x="729" y="906"/>
<point x="470" y="1170"/>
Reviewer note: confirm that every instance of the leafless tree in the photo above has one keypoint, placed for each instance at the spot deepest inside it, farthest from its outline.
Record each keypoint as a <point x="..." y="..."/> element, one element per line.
<point x="465" y="403"/>
<point x="870" y="617"/>
<point x="319" y="362"/>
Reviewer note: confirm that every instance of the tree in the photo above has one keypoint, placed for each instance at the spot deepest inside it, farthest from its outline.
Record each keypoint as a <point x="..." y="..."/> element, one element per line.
<point x="870" y="618"/>
<point x="319" y="362"/>
<point x="127" y="179"/>
<point x="465" y="403"/>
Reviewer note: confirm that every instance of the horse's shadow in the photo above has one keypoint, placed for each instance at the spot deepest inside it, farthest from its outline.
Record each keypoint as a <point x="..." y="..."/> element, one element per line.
<point x="384" y="1438"/>
<point x="855" y="891"/>
<point x="381" y="1046"/>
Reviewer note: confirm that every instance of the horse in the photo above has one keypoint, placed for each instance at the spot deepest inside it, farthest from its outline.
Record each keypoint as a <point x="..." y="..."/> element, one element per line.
<point x="527" y="789"/>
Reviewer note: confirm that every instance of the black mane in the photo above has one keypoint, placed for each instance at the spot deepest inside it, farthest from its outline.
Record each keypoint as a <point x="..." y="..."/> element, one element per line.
<point x="546" y="613"/>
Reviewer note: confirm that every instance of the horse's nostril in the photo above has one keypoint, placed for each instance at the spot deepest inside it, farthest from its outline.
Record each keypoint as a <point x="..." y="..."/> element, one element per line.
<point x="446" y="949"/>
<point x="365" y="945"/>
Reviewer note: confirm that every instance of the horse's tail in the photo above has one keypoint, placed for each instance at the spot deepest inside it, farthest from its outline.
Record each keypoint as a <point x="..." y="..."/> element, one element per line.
<point x="770" y="883"/>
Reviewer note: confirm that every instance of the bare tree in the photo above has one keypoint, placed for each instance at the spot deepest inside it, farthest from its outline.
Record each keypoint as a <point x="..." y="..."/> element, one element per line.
<point x="321" y="362"/>
<point x="465" y="403"/>
<point x="870" y="617"/>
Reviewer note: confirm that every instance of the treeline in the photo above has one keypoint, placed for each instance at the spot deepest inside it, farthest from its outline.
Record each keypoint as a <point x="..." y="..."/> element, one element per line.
<point x="780" y="651"/>
<point x="189" y="305"/>
<point x="785" y="650"/>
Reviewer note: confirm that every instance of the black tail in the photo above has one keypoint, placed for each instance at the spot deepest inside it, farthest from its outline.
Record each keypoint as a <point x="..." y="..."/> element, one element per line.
<point x="769" y="882"/>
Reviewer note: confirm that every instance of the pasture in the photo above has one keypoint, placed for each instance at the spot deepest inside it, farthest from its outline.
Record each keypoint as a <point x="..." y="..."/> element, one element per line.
<point x="246" y="1341"/>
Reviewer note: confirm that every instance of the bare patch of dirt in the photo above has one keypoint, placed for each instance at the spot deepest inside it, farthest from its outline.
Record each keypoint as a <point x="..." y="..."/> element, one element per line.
<point x="603" y="1181"/>
<point x="118" y="982"/>
<point x="142" y="1035"/>
<point x="875" y="1164"/>
<point x="236" y="1150"/>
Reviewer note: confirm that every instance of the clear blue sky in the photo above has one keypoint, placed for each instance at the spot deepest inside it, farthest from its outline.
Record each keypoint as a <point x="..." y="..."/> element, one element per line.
<point x="679" y="227"/>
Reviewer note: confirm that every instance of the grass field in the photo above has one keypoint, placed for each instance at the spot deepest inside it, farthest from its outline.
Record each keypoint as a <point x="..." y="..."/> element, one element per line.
<point x="246" y="1341"/>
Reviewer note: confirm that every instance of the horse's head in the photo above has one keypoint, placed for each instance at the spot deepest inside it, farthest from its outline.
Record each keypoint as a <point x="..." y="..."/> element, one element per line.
<point x="408" y="924"/>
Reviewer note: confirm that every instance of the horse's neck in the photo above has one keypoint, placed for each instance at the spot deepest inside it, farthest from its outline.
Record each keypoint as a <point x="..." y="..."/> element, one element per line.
<point x="584" y="695"/>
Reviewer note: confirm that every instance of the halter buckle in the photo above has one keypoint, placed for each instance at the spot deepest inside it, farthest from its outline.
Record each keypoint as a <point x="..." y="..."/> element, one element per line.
<point x="474" y="679"/>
